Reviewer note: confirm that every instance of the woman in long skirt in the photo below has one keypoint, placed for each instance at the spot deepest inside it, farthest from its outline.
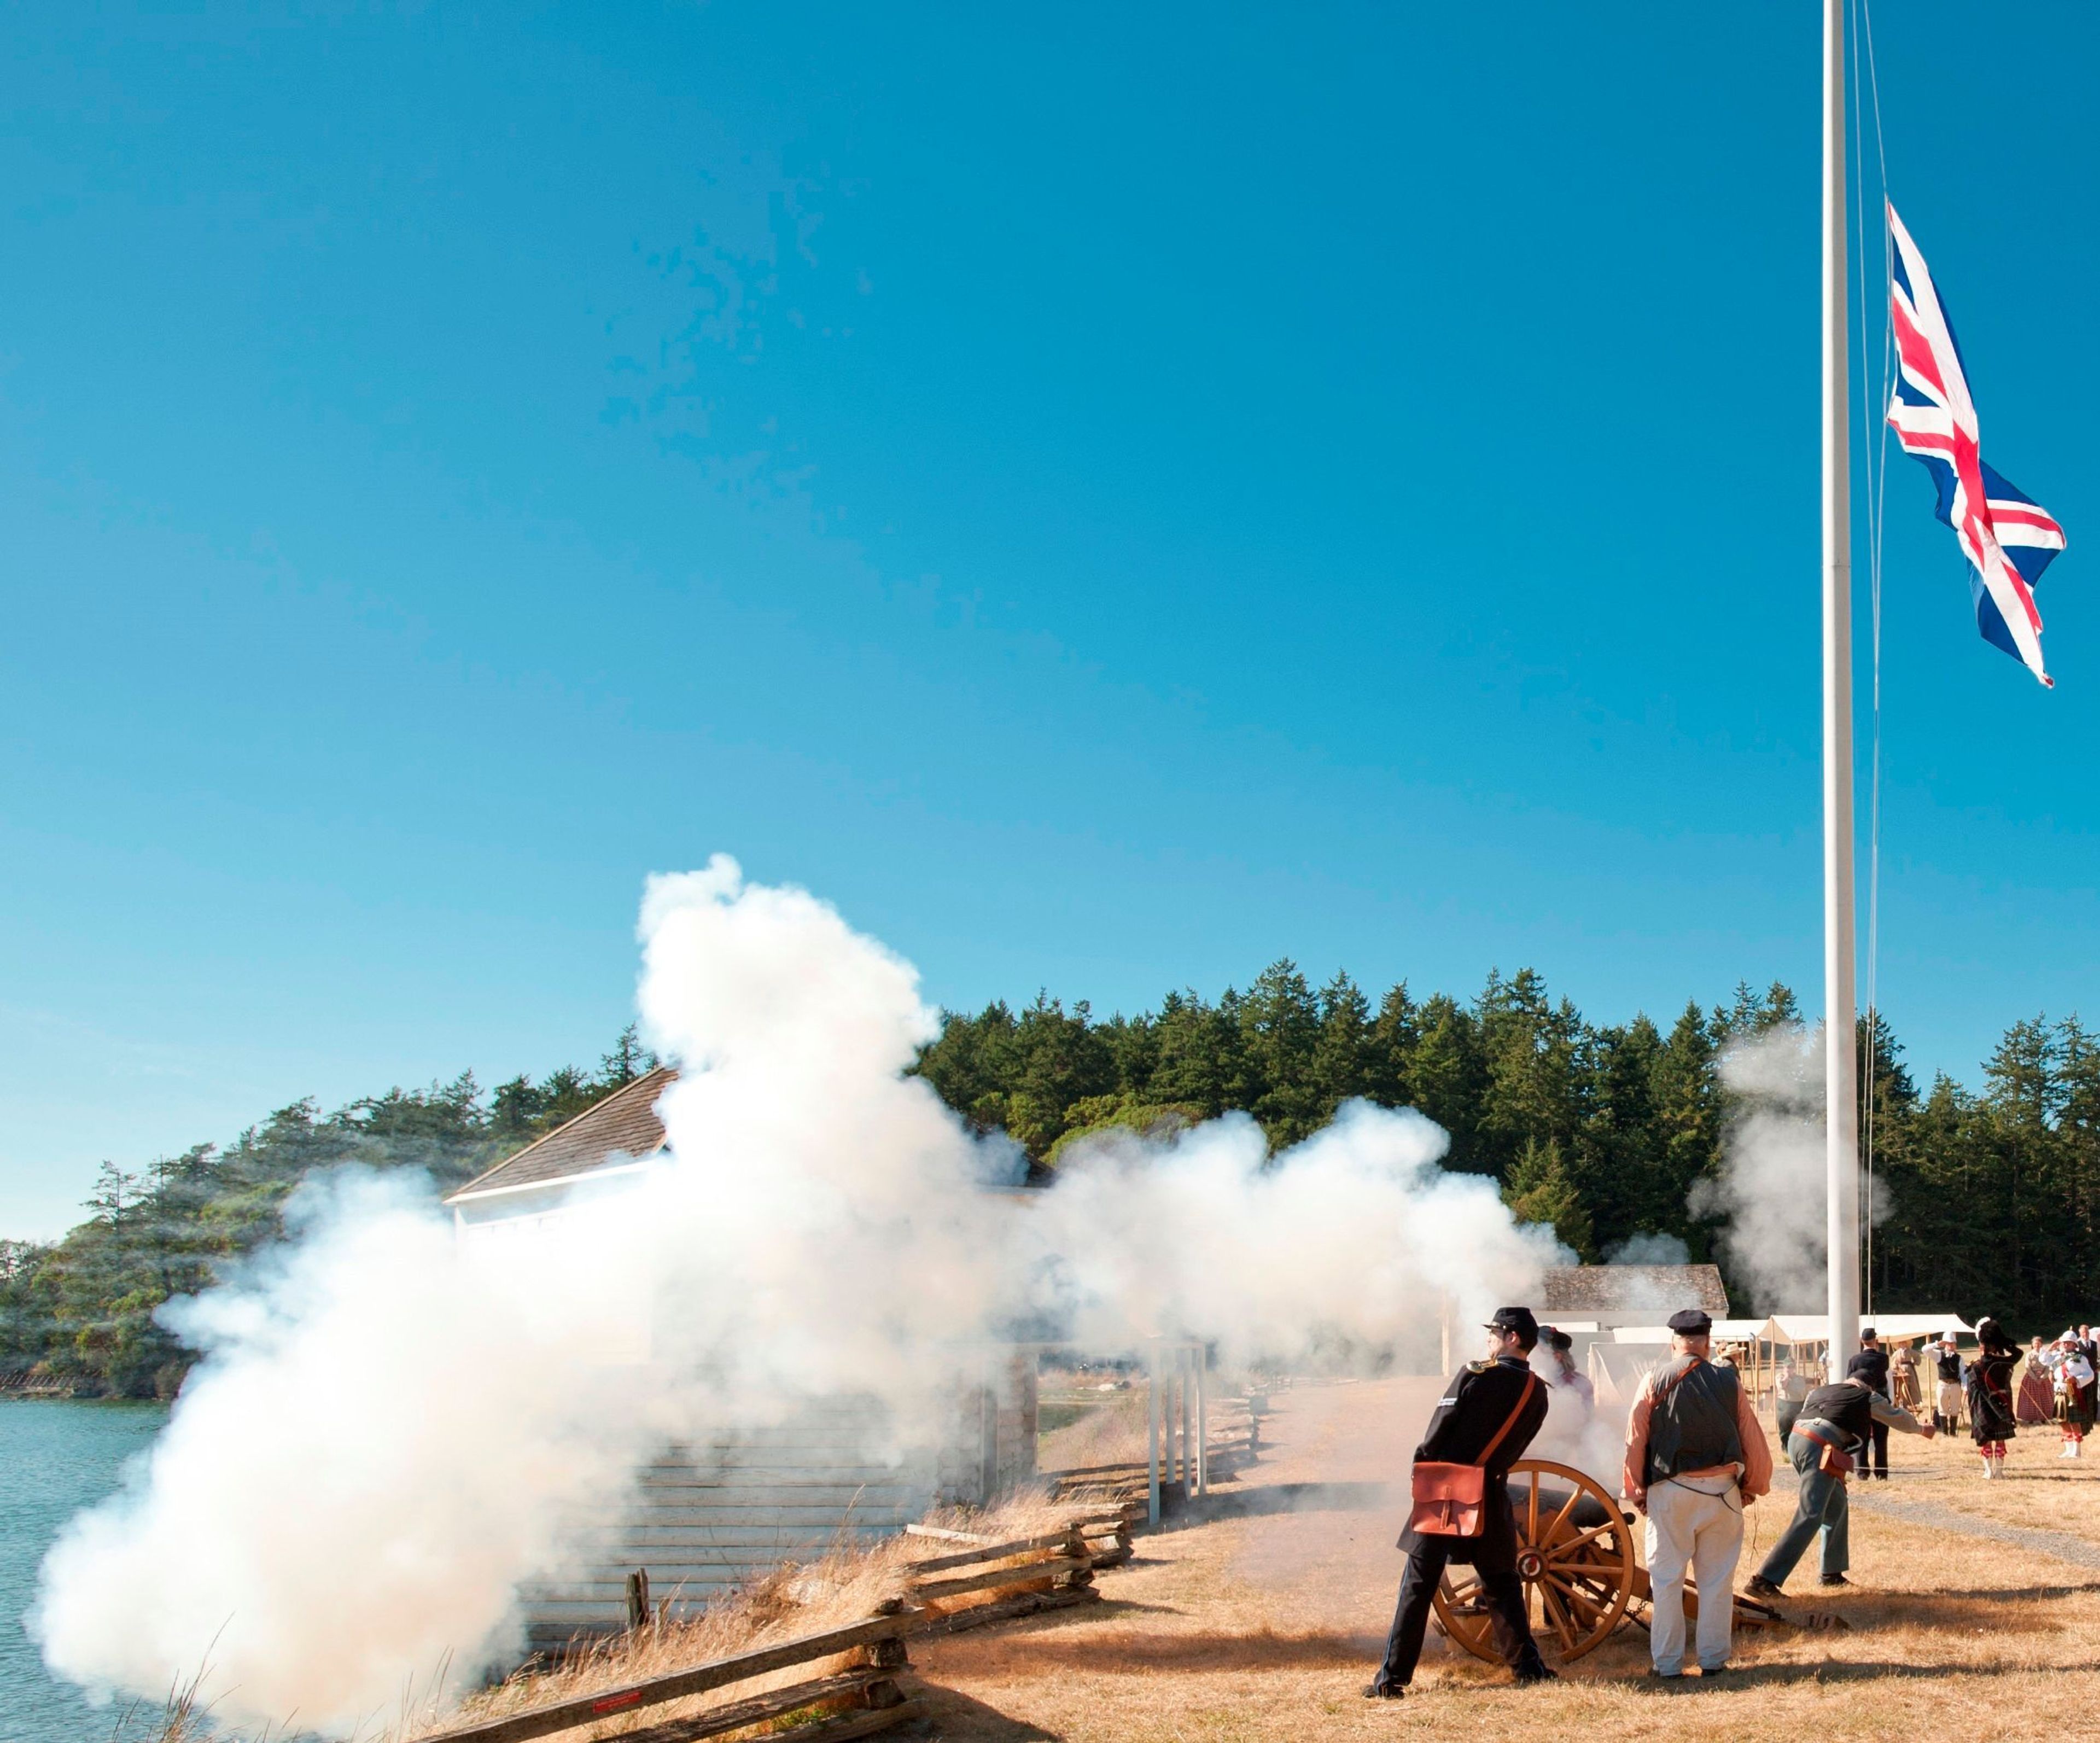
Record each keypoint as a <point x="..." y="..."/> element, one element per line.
<point x="2037" y="1393"/>
<point x="1989" y="1387"/>
<point x="1902" y="1380"/>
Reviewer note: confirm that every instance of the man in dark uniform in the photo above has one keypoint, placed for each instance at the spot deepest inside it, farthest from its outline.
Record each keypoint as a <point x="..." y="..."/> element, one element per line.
<point x="1870" y="1367"/>
<point x="1478" y="1399"/>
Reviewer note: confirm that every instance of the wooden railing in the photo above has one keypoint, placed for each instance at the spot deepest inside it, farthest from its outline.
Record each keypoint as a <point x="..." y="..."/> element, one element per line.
<point x="1233" y="1442"/>
<point x="1018" y="1577"/>
<point x="1047" y="1571"/>
<point x="854" y="1702"/>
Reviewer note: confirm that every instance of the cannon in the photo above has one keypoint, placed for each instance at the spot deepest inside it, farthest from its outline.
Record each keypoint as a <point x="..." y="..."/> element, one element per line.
<point x="1582" y="1576"/>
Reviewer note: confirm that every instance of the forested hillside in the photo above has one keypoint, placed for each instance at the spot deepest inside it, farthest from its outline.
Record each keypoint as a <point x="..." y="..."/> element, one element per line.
<point x="1993" y="1196"/>
<point x="81" y="1311"/>
<point x="1603" y="1131"/>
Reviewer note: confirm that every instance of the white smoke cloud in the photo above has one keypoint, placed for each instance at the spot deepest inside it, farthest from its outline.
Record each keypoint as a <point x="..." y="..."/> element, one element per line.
<point x="1346" y="1241"/>
<point x="1771" y="1190"/>
<point x="1647" y="1248"/>
<point x="381" y="1436"/>
<point x="391" y="1431"/>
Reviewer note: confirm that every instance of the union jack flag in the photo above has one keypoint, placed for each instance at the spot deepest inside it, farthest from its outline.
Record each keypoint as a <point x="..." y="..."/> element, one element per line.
<point x="2007" y="536"/>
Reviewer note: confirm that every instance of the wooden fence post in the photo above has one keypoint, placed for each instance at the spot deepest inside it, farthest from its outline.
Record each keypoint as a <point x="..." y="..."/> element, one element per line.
<point x="1152" y="1416"/>
<point x="890" y="1655"/>
<point x="1075" y="1546"/>
<point x="1202" y="1361"/>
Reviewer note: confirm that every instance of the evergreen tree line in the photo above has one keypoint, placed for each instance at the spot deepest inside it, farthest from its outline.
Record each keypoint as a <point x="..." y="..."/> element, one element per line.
<point x="1990" y="1196"/>
<point x="80" y="1312"/>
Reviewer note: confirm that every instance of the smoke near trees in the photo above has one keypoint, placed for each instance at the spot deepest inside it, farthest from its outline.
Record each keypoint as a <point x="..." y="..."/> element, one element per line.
<point x="1618" y="1135"/>
<point x="84" y="1310"/>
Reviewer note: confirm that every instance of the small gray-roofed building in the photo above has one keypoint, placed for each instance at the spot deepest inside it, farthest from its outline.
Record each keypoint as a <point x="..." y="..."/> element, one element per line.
<point x="705" y="1518"/>
<point x="1632" y="1294"/>
<point x="615" y="1137"/>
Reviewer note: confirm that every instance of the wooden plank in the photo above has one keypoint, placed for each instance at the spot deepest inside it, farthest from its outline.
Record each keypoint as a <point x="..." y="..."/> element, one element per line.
<point x="933" y="1590"/>
<point x="1116" y="1470"/>
<point x="563" y="1715"/>
<point x="1008" y="1609"/>
<point x="991" y="1552"/>
<point x="758" y="1708"/>
<point x="858" y="1724"/>
<point x="944" y="1535"/>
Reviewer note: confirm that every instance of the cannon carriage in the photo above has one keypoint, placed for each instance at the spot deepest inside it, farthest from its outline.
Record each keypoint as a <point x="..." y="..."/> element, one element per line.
<point x="1577" y="1556"/>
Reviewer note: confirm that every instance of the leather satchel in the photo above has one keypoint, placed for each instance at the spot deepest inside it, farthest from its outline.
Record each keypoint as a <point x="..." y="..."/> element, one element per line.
<point x="1450" y="1500"/>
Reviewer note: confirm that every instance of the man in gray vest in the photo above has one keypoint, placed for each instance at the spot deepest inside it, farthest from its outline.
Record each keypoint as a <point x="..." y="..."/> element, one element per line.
<point x="1696" y="1456"/>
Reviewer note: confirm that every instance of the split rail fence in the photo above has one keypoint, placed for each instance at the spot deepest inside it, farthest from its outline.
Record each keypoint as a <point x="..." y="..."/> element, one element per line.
<point x="1191" y="1439"/>
<point x="1020" y="1576"/>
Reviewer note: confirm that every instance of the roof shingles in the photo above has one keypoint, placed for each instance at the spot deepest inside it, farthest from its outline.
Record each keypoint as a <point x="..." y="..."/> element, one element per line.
<point x="624" y="1125"/>
<point x="1618" y="1289"/>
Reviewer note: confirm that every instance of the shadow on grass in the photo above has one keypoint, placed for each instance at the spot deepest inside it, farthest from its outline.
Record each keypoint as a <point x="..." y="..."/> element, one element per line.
<point x="1784" y="1675"/>
<point x="1138" y="1655"/>
<point x="1983" y="1607"/>
<point x="949" y="1713"/>
<point x="1260" y="1500"/>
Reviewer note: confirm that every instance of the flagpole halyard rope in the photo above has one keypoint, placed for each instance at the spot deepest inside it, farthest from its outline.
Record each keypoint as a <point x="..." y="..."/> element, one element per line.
<point x="1863" y="31"/>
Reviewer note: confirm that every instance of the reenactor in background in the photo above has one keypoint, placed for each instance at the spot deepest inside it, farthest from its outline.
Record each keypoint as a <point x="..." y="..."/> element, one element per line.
<point x="1946" y="1371"/>
<point x="1989" y="1393"/>
<point x="1497" y="1397"/>
<point x="1904" y="1389"/>
<point x="1790" y="1385"/>
<point x="2073" y="1375"/>
<point x="1831" y="1432"/>
<point x="1870" y="1366"/>
<point x="1563" y="1375"/>
<point x="2035" y="1402"/>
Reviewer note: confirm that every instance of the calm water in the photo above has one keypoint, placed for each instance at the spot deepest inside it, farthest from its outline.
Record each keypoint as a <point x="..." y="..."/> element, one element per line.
<point x="55" y="1457"/>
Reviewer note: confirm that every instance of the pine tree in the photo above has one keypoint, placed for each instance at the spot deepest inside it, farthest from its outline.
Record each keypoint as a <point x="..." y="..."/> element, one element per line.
<point x="1538" y="1190"/>
<point x="1389" y="1050"/>
<point x="1341" y="1055"/>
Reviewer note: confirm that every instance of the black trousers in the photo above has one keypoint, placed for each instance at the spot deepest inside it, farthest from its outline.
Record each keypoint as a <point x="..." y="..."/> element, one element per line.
<point x="1878" y="1439"/>
<point x="1502" y="1594"/>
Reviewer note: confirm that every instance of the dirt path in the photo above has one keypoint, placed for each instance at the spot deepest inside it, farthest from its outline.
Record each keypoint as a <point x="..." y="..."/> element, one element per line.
<point x="1978" y="1610"/>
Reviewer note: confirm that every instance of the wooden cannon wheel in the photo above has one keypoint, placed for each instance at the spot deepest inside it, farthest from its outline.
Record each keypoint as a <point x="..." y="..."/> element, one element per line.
<point x="1577" y="1578"/>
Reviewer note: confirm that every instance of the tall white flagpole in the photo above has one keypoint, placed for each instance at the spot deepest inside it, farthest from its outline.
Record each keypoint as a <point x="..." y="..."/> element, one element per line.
<point x="1840" y="1065"/>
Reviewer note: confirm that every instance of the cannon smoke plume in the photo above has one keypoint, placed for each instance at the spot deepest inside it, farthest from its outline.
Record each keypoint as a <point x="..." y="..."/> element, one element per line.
<point x="1771" y="1192"/>
<point x="391" y="1431"/>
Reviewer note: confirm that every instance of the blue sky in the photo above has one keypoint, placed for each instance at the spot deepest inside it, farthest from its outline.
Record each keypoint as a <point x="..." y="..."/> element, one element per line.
<point x="1110" y="496"/>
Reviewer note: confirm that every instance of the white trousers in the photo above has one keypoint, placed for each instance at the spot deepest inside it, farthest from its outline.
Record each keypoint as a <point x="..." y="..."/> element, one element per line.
<point x="1686" y="1529"/>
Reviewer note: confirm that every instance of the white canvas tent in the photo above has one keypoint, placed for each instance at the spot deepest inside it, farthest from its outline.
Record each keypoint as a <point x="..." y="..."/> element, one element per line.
<point x="1725" y="1332"/>
<point x="1616" y="1370"/>
<point x="1893" y="1328"/>
<point x="1755" y="1333"/>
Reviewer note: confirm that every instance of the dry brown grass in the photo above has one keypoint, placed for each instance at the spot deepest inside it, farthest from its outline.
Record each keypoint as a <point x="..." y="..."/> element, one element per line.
<point x="1110" y="1431"/>
<point x="1266" y="1626"/>
<point x="836" y="1591"/>
<point x="1269" y="1626"/>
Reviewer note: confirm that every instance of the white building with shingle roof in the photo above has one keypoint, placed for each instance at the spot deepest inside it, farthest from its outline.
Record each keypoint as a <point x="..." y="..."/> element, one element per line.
<point x="705" y="1518"/>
